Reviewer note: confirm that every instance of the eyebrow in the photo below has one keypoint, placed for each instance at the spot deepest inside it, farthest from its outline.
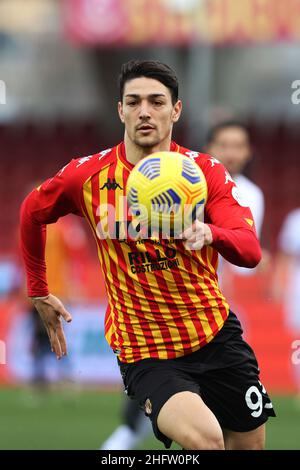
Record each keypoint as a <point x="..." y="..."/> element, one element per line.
<point x="152" y="95"/>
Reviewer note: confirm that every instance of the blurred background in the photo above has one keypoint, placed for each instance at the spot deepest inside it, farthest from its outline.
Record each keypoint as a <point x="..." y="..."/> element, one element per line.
<point x="59" y="62"/>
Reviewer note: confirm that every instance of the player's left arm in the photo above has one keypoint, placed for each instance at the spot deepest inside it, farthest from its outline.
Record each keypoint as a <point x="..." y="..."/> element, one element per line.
<point x="228" y="226"/>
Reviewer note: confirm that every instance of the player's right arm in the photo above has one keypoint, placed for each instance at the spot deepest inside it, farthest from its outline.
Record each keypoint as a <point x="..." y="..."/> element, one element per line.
<point x="55" y="198"/>
<point x="229" y="218"/>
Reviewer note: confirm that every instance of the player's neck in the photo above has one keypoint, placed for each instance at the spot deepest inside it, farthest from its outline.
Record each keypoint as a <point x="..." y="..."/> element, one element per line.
<point x="135" y="153"/>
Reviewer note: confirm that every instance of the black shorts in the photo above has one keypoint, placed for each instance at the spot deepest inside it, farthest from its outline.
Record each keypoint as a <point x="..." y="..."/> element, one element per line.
<point x="224" y="373"/>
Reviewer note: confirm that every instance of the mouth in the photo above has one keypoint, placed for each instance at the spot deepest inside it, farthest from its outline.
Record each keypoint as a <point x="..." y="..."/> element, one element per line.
<point x="145" y="128"/>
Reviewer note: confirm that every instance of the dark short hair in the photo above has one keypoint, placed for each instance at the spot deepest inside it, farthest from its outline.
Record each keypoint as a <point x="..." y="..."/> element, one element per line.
<point x="150" y="69"/>
<point x="214" y="131"/>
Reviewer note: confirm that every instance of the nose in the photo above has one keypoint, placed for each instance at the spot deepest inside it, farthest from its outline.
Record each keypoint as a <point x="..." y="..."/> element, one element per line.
<point x="144" y="110"/>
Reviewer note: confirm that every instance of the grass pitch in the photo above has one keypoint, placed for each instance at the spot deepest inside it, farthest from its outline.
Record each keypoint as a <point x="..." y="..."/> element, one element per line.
<point x="82" y="419"/>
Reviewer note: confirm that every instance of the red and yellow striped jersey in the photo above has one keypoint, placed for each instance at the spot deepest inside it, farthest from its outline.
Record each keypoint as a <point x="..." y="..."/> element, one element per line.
<point x="163" y="301"/>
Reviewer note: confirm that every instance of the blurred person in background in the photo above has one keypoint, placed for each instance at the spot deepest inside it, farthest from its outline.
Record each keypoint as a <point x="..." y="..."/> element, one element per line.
<point x="286" y="279"/>
<point x="229" y="142"/>
<point x="134" y="428"/>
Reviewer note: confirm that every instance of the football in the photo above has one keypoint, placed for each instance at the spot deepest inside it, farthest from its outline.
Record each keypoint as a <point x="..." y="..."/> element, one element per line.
<point x="167" y="191"/>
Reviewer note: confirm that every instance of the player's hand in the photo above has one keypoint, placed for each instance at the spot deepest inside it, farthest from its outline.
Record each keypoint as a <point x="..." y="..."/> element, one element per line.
<point x="51" y="310"/>
<point x="197" y="236"/>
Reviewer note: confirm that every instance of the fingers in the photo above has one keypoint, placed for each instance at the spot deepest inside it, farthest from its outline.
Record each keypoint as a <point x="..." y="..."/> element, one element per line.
<point x="57" y="339"/>
<point x="55" y="344"/>
<point x="196" y="230"/>
<point x="194" y="236"/>
<point x="187" y="233"/>
<point x="60" y="332"/>
<point x="48" y="333"/>
<point x="51" y="310"/>
<point x="196" y="245"/>
<point x="60" y="309"/>
<point x="62" y="339"/>
<point x="65" y="314"/>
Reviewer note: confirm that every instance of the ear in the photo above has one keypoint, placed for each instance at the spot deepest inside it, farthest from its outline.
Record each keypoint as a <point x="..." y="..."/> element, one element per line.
<point x="177" y="108"/>
<point x="120" y="111"/>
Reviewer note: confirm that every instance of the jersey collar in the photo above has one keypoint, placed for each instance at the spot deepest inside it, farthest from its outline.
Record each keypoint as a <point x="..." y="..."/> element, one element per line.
<point x="121" y="154"/>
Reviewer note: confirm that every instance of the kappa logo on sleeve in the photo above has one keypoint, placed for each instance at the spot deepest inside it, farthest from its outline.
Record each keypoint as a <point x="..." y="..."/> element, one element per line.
<point x="214" y="161"/>
<point x="192" y="155"/>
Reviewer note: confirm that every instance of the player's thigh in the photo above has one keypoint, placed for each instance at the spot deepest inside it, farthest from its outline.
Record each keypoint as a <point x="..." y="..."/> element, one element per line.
<point x="185" y="419"/>
<point x="251" y="440"/>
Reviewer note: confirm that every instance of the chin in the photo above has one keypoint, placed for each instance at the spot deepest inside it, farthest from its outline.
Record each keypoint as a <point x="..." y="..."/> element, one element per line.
<point x="146" y="143"/>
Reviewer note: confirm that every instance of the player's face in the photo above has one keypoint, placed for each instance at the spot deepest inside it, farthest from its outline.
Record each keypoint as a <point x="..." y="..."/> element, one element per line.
<point x="231" y="146"/>
<point x="147" y="112"/>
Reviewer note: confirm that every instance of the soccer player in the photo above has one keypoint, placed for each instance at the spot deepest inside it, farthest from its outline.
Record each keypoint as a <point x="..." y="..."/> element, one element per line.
<point x="179" y="347"/>
<point x="229" y="142"/>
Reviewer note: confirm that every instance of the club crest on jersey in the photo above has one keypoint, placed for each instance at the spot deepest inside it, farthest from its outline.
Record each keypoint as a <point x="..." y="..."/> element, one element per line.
<point x="148" y="407"/>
